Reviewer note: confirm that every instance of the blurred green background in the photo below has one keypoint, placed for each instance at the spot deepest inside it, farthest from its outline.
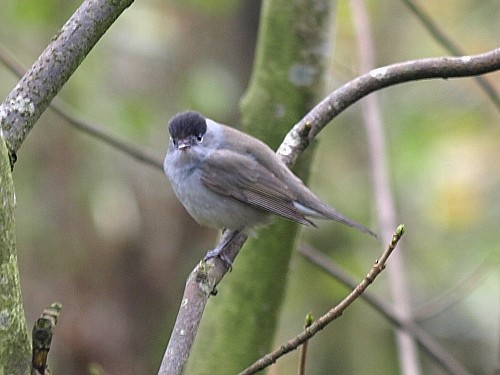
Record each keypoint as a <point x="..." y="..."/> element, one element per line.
<point x="104" y="234"/>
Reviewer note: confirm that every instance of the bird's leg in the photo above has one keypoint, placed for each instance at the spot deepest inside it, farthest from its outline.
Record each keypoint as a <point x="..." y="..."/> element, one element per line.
<point x="227" y="236"/>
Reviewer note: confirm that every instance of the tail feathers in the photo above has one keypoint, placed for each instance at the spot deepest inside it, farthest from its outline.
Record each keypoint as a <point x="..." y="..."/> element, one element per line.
<point x="350" y="223"/>
<point x="329" y="213"/>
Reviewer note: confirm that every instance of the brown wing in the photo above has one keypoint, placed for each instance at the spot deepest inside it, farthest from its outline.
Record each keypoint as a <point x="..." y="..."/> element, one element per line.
<point x="245" y="180"/>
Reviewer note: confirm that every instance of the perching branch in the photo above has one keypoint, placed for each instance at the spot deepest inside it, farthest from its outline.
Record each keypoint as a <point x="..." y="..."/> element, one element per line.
<point x="34" y="92"/>
<point x="200" y="285"/>
<point x="295" y="142"/>
<point x="331" y="315"/>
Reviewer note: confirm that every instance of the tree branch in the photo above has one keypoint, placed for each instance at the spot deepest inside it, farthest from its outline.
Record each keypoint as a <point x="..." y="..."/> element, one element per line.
<point x="331" y="315"/>
<point x="457" y="292"/>
<point x="200" y="285"/>
<point x="14" y="343"/>
<point x="31" y="96"/>
<point x="439" y="67"/>
<point x="430" y="346"/>
<point x="42" y="333"/>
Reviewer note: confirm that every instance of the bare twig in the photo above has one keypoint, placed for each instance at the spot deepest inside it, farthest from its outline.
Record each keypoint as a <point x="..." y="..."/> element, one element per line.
<point x="91" y="129"/>
<point x="445" y="41"/>
<point x="98" y="132"/>
<point x="455" y="294"/>
<point x="428" y="344"/>
<point x="386" y="213"/>
<point x="331" y="315"/>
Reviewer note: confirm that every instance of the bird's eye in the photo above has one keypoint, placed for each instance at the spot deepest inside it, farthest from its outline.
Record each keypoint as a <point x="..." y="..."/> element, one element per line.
<point x="174" y="141"/>
<point x="199" y="138"/>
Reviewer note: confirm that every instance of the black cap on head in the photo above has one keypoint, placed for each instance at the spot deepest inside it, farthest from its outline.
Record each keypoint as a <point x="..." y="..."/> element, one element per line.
<point x="185" y="124"/>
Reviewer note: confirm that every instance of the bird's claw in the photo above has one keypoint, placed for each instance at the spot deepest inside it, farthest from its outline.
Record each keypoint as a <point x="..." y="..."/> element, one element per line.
<point x="217" y="253"/>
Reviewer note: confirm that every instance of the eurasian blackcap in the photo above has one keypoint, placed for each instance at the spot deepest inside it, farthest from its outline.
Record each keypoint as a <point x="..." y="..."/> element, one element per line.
<point x="228" y="179"/>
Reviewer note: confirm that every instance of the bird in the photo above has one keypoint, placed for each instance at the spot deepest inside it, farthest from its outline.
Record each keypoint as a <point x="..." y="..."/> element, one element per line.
<point x="228" y="179"/>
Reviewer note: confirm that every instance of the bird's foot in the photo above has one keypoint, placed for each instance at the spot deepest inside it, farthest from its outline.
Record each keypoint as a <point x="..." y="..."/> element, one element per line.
<point x="218" y="253"/>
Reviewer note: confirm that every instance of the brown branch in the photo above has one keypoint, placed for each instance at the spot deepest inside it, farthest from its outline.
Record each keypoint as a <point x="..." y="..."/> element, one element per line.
<point x="331" y="315"/>
<point x="91" y="129"/>
<point x="428" y="344"/>
<point x="98" y="132"/>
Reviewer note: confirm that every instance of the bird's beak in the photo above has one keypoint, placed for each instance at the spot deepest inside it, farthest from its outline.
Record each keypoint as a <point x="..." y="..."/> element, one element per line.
<point x="181" y="145"/>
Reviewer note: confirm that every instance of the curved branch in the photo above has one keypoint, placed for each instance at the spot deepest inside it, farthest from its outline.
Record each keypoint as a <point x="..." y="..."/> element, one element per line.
<point x="440" y="67"/>
<point x="32" y="95"/>
<point x="292" y="146"/>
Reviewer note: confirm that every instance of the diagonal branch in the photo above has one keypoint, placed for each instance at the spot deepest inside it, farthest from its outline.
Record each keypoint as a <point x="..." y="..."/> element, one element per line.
<point x="41" y="83"/>
<point x="445" y="41"/>
<point x="91" y="129"/>
<point x="331" y="315"/>
<point x="433" y="349"/>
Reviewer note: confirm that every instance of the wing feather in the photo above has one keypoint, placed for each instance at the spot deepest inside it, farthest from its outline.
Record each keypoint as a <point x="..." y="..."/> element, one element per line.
<point x="242" y="178"/>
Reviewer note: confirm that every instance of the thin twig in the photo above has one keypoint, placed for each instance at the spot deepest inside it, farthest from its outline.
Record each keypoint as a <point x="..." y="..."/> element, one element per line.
<point x="97" y="132"/>
<point x="445" y="41"/>
<point x="91" y="129"/>
<point x="444" y="359"/>
<point x="331" y="315"/>
<point x="452" y="296"/>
